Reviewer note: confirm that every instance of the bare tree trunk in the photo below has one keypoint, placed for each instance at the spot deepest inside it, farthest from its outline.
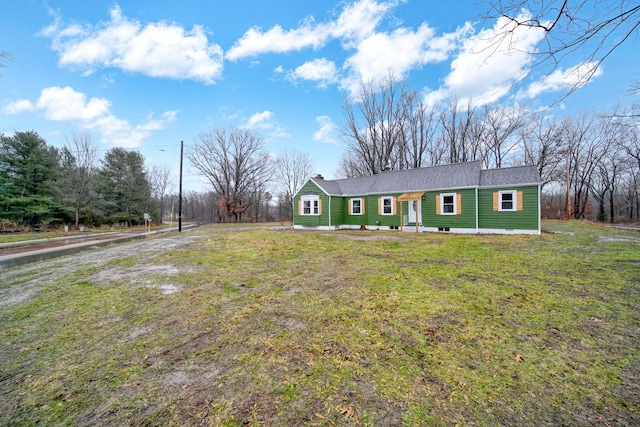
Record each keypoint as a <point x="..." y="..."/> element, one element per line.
<point x="84" y="155"/>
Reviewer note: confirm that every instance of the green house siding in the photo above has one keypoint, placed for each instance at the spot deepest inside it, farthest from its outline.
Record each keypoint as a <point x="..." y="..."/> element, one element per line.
<point x="337" y="210"/>
<point x="460" y="197"/>
<point x="465" y="219"/>
<point x="321" y="220"/>
<point x="525" y="219"/>
<point x="349" y="219"/>
<point x="376" y="217"/>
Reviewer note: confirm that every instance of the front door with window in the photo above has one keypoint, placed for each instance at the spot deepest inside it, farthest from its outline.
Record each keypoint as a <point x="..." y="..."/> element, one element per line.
<point x="415" y="212"/>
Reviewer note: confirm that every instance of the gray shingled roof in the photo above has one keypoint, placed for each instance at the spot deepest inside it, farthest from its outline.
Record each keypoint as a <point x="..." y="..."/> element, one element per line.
<point x="457" y="175"/>
<point x="518" y="175"/>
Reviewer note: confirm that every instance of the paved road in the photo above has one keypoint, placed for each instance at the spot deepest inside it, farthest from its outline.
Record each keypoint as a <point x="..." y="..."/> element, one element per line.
<point x="18" y="253"/>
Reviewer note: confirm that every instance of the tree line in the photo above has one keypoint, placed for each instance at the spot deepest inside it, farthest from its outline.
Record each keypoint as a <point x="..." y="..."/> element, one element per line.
<point x="589" y="163"/>
<point x="45" y="187"/>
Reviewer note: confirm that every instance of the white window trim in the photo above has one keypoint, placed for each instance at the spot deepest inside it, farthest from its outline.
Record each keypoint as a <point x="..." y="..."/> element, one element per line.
<point x="351" y="206"/>
<point x="314" y="211"/>
<point x="514" y="201"/>
<point x="455" y="204"/>
<point x="390" y="198"/>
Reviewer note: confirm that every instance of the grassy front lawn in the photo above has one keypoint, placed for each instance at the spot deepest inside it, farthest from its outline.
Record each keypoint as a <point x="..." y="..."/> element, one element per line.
<point x="255" y="326"/>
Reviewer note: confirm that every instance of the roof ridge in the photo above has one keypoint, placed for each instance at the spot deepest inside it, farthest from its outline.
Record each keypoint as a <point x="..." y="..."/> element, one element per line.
<point x="453" y="175"/>
<point x="404" y="170"/>
<point x="509" y="167"/>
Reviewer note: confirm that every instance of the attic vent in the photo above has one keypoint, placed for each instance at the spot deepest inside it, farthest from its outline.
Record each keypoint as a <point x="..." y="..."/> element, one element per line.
<point x="319" y="176"/>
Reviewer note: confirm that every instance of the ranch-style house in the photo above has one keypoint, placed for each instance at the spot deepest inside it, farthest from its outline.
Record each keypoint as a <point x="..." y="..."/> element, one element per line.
<point x="456" y="198"/>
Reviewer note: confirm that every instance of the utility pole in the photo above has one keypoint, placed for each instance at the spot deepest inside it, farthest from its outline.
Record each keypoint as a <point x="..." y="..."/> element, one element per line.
<point x="180" y="191"/>
<point x="569" y="208"/>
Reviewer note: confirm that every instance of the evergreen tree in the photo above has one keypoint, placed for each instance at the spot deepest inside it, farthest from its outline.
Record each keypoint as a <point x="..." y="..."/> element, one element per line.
<point x="29" y="170"/>
<point x="123" y="186"/>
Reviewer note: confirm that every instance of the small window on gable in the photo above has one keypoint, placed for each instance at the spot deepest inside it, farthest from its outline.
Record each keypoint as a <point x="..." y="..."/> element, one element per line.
<point x="387" y="206"/>
<point x="507" y="201"/>
<point x="310" y="205"/>
<point x="356" y="206"/>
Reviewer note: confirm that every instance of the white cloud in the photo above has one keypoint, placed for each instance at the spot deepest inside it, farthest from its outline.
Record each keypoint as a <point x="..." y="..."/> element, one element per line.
<point x="576" y="76"/>
<point x="357" y="20"/>
<point x="399" y="51"/>
<point x="266" y="121"/>
<point x="490" y="62"/>
<point x="262" y="120"/>
<point x="64" y="104"/>
<point x="321" y="70"/>
<point x="327" y="132"/>
<point x="158" y="123"/>
<point x="156" y="49"/>
<point x="19" y="106"/>
<point x="255" y="42"/>
<point x="374" y="54"/>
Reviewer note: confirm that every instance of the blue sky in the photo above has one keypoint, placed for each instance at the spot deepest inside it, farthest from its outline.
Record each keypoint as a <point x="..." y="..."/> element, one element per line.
<point x="146" y="75"/>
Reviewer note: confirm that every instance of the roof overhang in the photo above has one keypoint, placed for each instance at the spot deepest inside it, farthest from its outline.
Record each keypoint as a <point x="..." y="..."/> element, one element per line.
<point x="406" y="197"/>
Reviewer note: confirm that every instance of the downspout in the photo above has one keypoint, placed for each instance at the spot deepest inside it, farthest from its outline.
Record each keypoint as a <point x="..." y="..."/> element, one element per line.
<point x="477" y="224"/>
<point x="539" y="210"/>
<point x="329" y="211"/>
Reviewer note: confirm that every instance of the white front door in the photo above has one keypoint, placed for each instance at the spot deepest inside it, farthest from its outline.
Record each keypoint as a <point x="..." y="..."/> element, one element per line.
<point x="415" y="212"/>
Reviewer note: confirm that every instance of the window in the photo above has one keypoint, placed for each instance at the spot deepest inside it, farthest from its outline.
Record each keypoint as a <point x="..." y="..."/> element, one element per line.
<point x="357" y="206"/>
<point x="507" y="201"/>
<point x="387" y="206"/>
<point x="310" y="205"/>
<point x="448" y="204"/>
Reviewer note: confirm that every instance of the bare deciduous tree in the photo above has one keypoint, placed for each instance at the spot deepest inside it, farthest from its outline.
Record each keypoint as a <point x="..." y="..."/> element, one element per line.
<point x="373" y="127"/>
<point x="460" y="131"/>
<point x="351" y="165"/>
<point x="543" y="146"/>
<point x="161" y="184"/>
<point x="611" y="166"/>
<point x="4" y="56"/>
<point x="235" y="165"/>
<point x="630" y="185"/>
<point x="80" y="158"/>
<point x="630" y="143"/>
<point x="500" y="137"/>
<point x="585" y="147"/>
<point x="419" y="146"/>
<point x="292" y="169"/>
<point x="593" y="28"/>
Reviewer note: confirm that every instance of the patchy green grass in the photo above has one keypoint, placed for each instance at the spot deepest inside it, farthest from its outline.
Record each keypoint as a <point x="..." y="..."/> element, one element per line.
<point x="22" y="237"/>
<point x="280" y="327"/>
